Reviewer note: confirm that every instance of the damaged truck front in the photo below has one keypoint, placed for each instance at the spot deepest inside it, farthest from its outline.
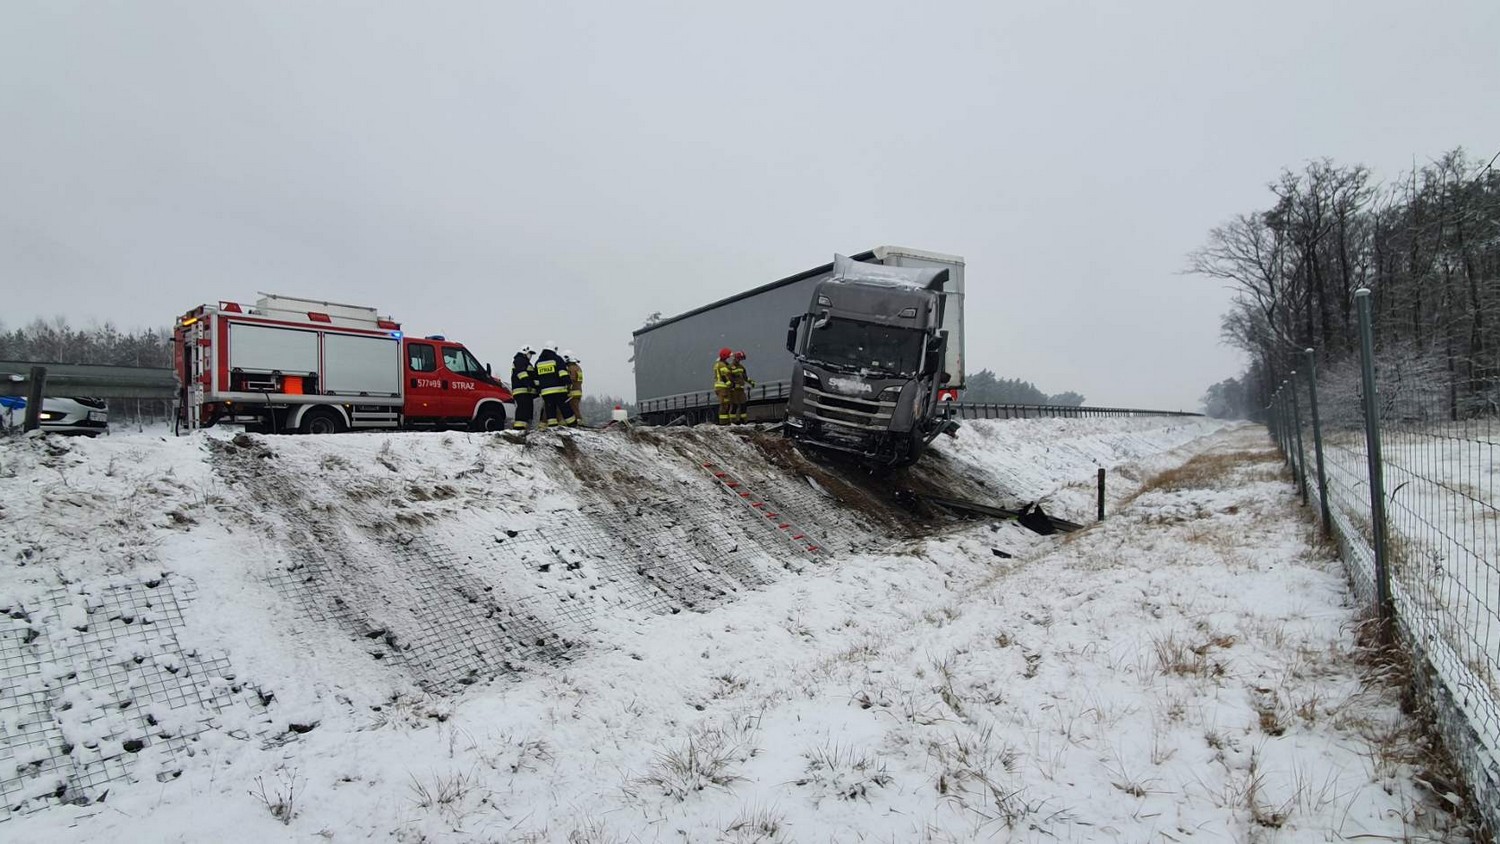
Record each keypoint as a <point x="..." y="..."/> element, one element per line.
<point x="870" y="362"/>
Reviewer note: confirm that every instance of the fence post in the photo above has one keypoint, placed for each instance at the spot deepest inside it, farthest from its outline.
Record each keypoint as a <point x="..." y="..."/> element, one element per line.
<point x="1317" y="426"/>
<point x="34" y="393"/>
<point x="1372" y="453"/>
<point x="1101" y="494"/>
<point x="1297" y="429"/>
<point x="1286" y="453"/>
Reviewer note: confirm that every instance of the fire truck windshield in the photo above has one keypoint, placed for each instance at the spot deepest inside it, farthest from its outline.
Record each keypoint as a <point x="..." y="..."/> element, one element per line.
<point x="460" y="362"/>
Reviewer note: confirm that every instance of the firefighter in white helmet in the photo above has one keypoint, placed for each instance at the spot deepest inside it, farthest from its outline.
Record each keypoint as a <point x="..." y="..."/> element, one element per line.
<point x="552" y="386"/>
<point x="523" y="387"/>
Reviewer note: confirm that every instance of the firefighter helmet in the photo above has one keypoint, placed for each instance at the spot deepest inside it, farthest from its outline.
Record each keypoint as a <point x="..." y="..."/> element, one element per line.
<point x="725" y="352"/>
<point x="549" y="346"/>
<point x="568" y="356"/>
<point x="528" y="351"/>
<point x="739" y="355"/>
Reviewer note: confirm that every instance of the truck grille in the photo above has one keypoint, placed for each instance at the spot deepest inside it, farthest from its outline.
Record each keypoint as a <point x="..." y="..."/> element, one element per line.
<point x="842" y="410"/>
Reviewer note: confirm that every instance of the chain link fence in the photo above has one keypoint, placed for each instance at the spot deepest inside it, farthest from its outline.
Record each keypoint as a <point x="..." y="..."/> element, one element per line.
<point x="1403" y="479"/>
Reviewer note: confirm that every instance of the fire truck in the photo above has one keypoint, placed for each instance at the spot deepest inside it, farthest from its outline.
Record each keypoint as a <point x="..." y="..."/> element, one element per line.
<point x="290" y="365"/>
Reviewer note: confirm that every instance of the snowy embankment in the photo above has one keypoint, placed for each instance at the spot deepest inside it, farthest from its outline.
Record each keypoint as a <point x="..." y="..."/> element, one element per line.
<point x="340" y="604"/>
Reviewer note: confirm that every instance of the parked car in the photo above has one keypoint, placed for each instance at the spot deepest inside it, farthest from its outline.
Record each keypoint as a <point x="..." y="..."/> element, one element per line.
<point x="76" y="415"/>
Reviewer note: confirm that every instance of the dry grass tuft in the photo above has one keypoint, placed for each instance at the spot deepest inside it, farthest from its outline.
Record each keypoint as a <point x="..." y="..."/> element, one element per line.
<point x="1206" y="471"/>
<point x="757" y="826"/>
<point x="707" y="759"/>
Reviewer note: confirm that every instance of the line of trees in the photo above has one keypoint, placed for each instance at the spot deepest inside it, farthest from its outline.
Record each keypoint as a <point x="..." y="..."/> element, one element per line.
<point x="1427" y="245"/>
<point x="984" y="387"/>
<point x="54" y="341"/>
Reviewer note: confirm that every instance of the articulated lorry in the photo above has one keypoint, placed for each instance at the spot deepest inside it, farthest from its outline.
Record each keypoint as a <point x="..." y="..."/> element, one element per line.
<point x="288" y="365"/>
<point x="855" y="356"/>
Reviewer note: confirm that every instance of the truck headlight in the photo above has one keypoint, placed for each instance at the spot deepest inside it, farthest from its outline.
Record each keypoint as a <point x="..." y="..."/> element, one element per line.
<point x="889" y="394"/>
<point x="812" y="378"/>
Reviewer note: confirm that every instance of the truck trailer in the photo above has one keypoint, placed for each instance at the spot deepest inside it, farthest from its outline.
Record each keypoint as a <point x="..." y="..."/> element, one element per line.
<point x="291" y="365"/>
<point x="854" y="355"/>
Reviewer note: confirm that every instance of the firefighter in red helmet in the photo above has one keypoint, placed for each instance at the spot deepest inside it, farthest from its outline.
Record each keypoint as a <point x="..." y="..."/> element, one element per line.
<point x="741" y="383"/>
<point x="724" y="385"/>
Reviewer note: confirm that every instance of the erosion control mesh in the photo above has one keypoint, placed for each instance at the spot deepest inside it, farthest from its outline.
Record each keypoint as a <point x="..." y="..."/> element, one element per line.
<point x="95" y="687"/>
<point x="550" y="535"/>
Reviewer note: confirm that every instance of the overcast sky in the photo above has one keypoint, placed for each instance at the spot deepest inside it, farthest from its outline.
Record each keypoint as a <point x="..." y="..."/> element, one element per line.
<point x="507" y="173"/>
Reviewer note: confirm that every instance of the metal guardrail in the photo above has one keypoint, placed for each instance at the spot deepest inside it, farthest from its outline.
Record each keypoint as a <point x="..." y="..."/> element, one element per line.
<point x="982" y="410"/>
<point x="771" y="391"/>
<point x="86" y="379"/>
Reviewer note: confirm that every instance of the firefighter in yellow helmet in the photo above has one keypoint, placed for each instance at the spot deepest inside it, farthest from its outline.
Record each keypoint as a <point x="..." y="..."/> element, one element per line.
<point x="742" y="384"/>
<point x="724" y="385"/>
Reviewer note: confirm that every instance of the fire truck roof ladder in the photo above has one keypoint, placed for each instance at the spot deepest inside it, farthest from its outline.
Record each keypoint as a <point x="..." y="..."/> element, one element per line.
<point x="316" y="310"/>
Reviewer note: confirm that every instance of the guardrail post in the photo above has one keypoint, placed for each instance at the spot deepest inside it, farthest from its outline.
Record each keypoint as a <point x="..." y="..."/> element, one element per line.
<point x="34" y="392"/>
<point x="1297" y="429"/>
<point x="1372" y="453"/>
<point x="1317" y="426"/>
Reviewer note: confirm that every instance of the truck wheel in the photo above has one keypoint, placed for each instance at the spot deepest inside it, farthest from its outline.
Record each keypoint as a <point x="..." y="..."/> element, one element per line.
<point x="321" y="420"/>
<point x="489" y="419"/>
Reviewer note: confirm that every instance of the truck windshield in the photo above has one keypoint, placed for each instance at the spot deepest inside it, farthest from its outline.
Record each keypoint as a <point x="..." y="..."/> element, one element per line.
<point x="863" y="345"/>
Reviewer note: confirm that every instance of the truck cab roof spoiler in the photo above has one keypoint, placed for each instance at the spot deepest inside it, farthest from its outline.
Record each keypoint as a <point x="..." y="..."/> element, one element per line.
<point x="926" y="278"/>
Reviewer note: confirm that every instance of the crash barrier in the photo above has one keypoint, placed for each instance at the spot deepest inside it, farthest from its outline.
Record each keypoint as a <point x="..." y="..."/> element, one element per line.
<point x="982" y="410"/>
<point x="86" y="379"/>
<point x="1404" y="480"/>
<point x="771" y="391"/>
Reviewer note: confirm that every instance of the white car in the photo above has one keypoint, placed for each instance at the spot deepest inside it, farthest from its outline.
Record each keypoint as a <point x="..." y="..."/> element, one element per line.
<point x="76" y="415"/>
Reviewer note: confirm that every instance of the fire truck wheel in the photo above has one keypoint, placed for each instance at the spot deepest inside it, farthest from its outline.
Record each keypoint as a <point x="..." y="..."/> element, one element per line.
<point x="321" y="420"/>
<point x="489" y="419"/>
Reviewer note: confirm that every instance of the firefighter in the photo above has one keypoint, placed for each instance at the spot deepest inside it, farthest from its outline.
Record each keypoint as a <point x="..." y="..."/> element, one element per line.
<point x="724" y="385"/>
<point x="741" y="384"/>
<point x="575" y="385"/>
<point x="523" y="387"/>
<point x="552" y="386"/>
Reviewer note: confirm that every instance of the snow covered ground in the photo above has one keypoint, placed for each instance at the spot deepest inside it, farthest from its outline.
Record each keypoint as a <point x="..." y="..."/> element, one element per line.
<point x="308" y="628"/>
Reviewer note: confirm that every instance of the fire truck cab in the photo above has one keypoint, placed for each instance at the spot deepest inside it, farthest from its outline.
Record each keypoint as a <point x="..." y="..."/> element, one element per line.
<point x="300" y="365"/>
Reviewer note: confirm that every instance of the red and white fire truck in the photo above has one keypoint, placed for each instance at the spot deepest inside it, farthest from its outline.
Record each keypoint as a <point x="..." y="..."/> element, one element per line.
<point x="301" y="365"/>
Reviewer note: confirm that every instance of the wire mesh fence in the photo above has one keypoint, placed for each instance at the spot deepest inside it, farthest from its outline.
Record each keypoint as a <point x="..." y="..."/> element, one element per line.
<point x="1404" y="479"/>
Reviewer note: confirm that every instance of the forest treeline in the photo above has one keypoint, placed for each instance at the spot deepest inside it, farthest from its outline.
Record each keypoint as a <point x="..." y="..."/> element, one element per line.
<point x="984" y="386"/>
<point x="1427" y="246"/>
<point x="54" y="341"/>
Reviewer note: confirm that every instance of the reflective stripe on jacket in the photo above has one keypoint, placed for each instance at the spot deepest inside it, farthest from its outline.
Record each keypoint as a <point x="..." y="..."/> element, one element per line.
<point x="575" y="380"/>
<point x="737" y="374"/>
<point x="723" y="375"/>
<point x="522" y="381"/>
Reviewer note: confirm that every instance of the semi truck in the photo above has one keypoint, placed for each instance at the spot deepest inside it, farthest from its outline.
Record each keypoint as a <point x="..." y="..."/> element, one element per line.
<point x="854" y="356"/>
<point x="293" y="365"/>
